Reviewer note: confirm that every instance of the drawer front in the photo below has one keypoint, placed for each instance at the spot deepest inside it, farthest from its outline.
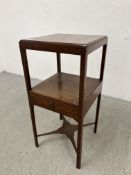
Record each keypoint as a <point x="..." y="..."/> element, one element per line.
<point x="55" y="105"/>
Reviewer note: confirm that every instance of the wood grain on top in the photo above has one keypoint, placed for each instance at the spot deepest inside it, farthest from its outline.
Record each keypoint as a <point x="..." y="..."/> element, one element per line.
<point x="65" y="43"/>
<point x="70" y="39"/>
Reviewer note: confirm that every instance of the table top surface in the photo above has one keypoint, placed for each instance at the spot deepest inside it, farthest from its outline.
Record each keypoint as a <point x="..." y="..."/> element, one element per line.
<point x="70" y="39"/>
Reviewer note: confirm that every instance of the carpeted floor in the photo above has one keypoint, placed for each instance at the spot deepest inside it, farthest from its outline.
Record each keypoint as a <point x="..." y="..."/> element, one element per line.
<point x="106" y="153"/>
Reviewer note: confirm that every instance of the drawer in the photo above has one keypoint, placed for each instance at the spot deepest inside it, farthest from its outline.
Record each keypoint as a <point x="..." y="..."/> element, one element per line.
<point x="55" y="105"/>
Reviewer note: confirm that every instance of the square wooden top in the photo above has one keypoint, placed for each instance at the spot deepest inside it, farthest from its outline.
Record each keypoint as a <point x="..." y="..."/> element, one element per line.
<point x="73" y="39"/>
<point x="73" y="43"/>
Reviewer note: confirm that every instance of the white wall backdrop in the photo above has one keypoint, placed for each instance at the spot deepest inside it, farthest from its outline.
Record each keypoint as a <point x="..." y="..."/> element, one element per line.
<point x="25" y="19"/>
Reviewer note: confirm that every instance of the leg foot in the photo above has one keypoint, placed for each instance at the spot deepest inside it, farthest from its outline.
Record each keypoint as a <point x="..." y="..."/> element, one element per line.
<point x="34" y="125"/>
<point x="97" y="113"/>
<point x="79" y="144"/>
<point x="61" y="116"/>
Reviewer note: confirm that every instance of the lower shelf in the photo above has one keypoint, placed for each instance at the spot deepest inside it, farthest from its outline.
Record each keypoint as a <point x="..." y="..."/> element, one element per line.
<point x="61" y="91"/>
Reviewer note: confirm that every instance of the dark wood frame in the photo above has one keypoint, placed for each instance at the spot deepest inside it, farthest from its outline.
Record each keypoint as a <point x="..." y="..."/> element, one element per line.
<point x="76" y="112"/>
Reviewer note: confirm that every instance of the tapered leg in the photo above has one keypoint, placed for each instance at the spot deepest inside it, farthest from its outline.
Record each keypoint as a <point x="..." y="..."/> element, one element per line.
<point x="97" y="113"/>
<point x="59" y="70"/>
<point x="34" y="125"/>
<point x="79" y="144"/>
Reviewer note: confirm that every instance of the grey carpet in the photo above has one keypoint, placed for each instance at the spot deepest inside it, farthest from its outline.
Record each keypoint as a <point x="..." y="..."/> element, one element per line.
<point x="106" y="153"/>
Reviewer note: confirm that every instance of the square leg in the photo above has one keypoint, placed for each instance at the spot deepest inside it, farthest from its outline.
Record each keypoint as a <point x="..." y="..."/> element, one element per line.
<point x="79" y="144"/>
<point x="34" y="125"/>
<point x="97" y="113"/>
